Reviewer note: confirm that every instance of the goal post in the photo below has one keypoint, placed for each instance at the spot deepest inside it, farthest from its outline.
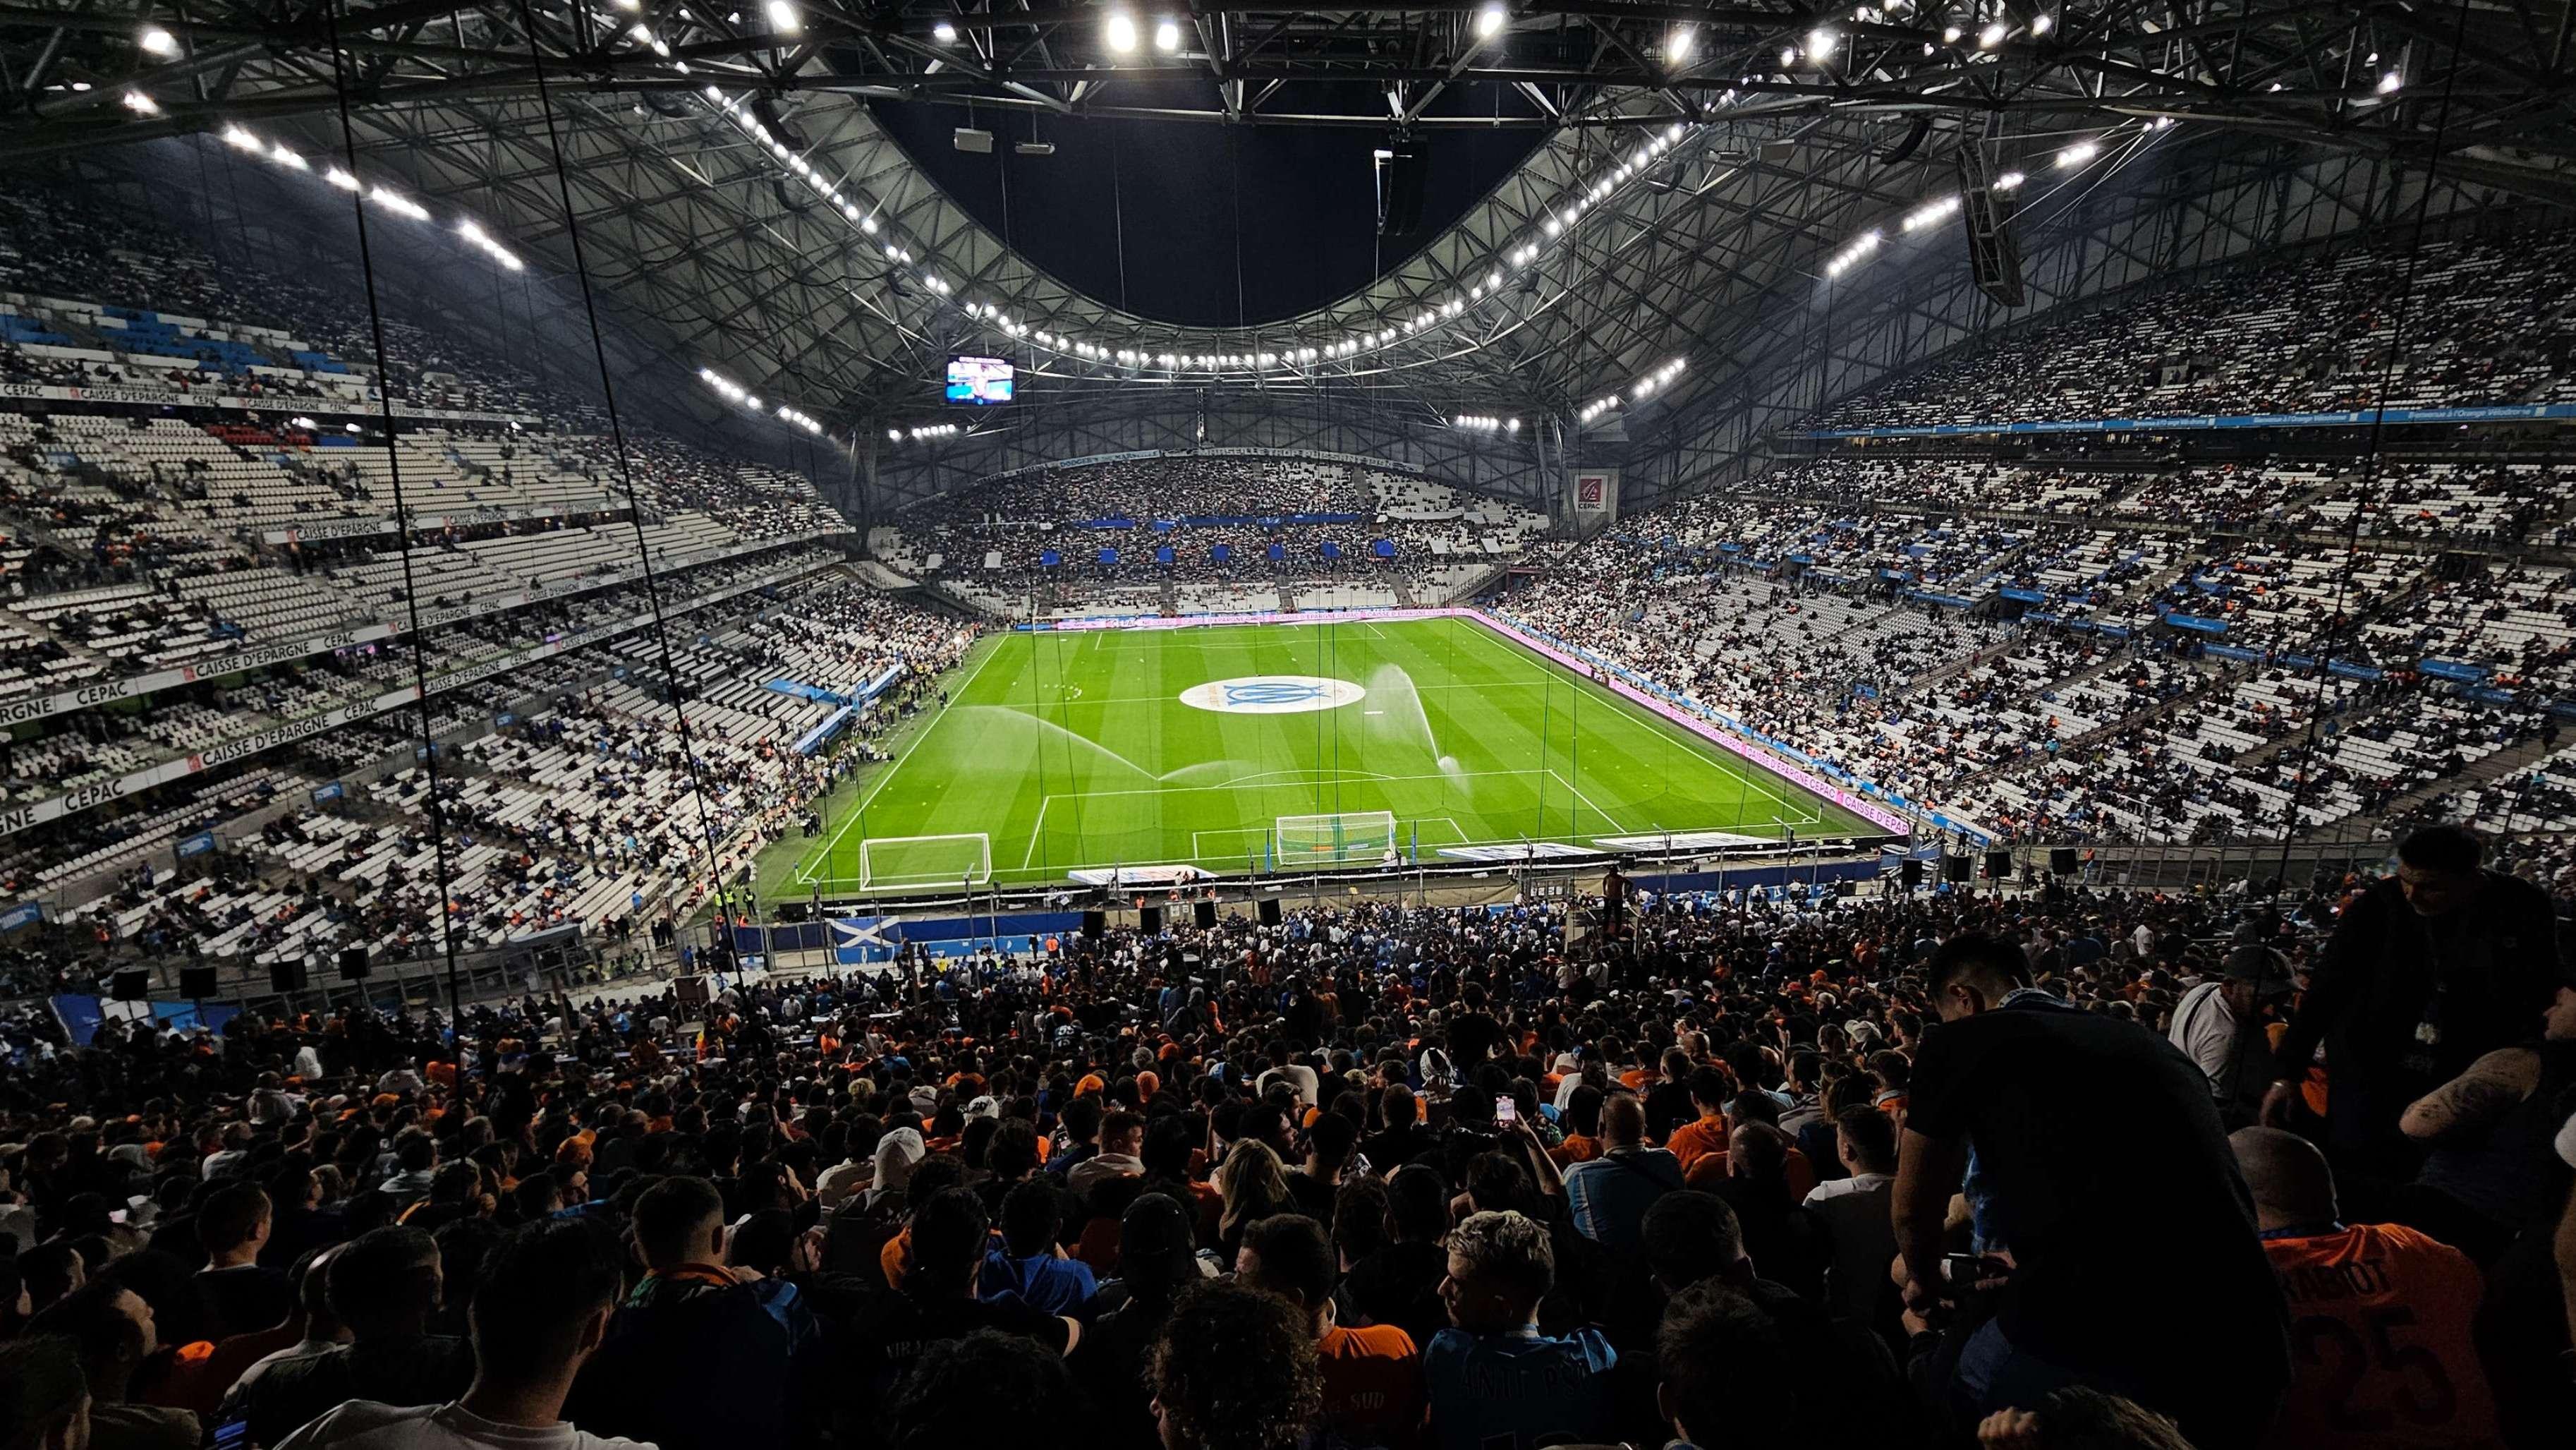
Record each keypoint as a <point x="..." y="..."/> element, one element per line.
<point x="956" y="860"/>
<point x="1338" y="839"/>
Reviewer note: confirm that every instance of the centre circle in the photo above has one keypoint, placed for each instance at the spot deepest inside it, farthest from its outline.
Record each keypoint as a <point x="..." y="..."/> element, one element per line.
<point x="1272" y="695"/>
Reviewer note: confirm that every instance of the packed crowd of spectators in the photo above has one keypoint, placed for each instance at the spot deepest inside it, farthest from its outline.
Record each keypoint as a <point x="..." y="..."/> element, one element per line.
<point x="2040" y="732"/>
<point x="1139" y="506"/>
<point x="1168" y="488"/>
<point x="2411" y="495"/>
<point x="2057" y="653"/>
<point x="2058" y="1169"/>
<point x="2308" y="333"/>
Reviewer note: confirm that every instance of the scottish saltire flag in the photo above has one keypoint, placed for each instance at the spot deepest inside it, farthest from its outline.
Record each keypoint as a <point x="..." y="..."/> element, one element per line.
<point x="857" y="940"/>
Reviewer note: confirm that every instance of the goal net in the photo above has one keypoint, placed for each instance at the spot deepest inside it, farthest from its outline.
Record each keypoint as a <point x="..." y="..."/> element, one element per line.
<point x="926" y="860"/>
<point x="1338" y="839"/>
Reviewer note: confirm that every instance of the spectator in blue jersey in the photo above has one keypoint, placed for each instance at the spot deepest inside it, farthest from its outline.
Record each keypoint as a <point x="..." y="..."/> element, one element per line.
<point x="1496" y="1382"/>
<point x="1609" y="1195"/>
<point x="1027" y="1262"/>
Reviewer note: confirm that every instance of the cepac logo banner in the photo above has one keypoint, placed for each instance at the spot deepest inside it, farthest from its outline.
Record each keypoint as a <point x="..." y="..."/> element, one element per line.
<point x="1596" y="493"/>
<point x="1272" y="695"/>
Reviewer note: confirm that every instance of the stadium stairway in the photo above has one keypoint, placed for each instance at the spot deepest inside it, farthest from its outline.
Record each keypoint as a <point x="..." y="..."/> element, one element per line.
<point x="2298" y="736"/>
<point x="2089" y="673"/>
<point x="2495" y="766"/>
<point x="97" y="665"/>
<point x="1476" y="584"/>
<point x="957" y="599"/>
<point x="1860" y="622"/>
<point x="2215" y="683"/>
<point x="1951" y="669"/>
<point x="2292" y="506"/>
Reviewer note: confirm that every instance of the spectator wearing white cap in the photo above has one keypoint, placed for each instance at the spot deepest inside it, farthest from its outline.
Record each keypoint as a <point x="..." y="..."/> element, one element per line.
<point x="897" y="1152"/>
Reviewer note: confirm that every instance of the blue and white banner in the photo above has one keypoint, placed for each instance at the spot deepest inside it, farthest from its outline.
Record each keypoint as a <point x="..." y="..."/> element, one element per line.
<point x="879" y="685"/>
<point x="803" y="691"/>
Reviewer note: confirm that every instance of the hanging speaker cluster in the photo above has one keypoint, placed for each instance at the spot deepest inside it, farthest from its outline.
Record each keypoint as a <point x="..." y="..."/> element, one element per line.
<point x="1403" y="176"/>
<point x="1994" y="258"/>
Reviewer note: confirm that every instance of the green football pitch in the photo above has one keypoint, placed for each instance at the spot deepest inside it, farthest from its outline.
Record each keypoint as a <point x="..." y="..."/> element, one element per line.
<point x="1276" y="747"/>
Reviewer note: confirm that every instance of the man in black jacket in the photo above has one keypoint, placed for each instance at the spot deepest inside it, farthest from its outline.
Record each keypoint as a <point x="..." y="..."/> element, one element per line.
<point x="2426" y="970"/>
<point x="692" y="1361"/>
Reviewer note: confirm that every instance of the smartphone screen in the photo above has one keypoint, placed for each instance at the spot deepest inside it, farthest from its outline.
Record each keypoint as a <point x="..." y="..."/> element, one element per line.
<point x="1506" y="1112"/>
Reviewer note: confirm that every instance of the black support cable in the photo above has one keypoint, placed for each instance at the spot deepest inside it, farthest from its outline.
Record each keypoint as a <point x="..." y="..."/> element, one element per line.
<point x="402" y="526"/>
<point x="626" y="480"/>
<point x="2338" y="621"/>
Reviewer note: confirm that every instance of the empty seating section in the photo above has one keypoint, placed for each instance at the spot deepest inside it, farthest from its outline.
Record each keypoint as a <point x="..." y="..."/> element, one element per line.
<point x="153" y="562"/>
<point x="598" y="802"/>
<point x="135" y="540"/>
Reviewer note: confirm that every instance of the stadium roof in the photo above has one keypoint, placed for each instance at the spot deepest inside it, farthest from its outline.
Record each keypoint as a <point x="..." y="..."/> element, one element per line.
<point x="721" y="175"/>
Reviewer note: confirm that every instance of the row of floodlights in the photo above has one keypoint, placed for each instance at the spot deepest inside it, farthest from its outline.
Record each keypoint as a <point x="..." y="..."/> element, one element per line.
<point x="1646" y="387"/>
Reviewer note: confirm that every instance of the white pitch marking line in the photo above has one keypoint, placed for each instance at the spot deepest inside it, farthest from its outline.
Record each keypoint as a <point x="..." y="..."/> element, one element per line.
<point x="1768" y="787"/>
<point x="895" y="766"/>
<point x="1578" y="794"/>
<point x="1036" y="830"/>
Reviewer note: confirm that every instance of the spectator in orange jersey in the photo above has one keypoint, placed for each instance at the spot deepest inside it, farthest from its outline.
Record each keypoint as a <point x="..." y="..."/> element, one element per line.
<point x="2380" y="1315"/>
<point x="1373" y="1392"/>
<point x="1582" y="1142"/>
<point x="1695" y="1140"/>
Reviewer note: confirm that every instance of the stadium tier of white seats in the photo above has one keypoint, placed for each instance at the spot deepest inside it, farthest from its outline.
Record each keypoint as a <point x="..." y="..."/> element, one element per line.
<point x="2125" y="646"/>
<point x="597" y="806"/>
<point x="2311" y="333"/>
<point x="137" y="541"/>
